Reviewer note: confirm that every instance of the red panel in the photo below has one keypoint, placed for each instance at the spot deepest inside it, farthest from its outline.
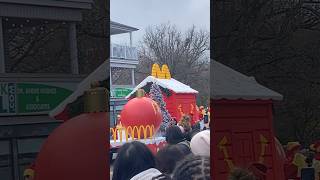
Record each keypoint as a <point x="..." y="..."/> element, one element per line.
<point x="248" y="127"/>
<point x="185" y="100"/>
<point x="243" y="148"/>
<point x="241" y="110"/>
<point x="171" y="104"/>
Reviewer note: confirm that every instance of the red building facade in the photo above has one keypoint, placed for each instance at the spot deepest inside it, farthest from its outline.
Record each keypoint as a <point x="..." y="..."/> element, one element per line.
<point x="242" y="124"/>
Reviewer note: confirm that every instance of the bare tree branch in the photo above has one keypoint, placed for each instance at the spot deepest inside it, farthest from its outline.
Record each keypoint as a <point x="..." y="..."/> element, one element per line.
<point x="184" y="53"/>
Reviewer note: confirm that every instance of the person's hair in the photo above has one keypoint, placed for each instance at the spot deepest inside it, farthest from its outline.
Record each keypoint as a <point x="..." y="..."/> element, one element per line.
<point x="174" y="135"/>
<point x="241" y="174"/>
<point x="192" y="167"/>
<point x="185" y="122"/>
<point x="132" y="159"/>
<point x="167" y="157"/>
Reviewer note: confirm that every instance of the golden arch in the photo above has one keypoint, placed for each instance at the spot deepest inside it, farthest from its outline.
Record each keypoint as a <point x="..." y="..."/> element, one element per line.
<point x="132" y="131"/>
<point x="151" y="131"/>
<point x="114" y="131"/>
<point x="162" y="73"/>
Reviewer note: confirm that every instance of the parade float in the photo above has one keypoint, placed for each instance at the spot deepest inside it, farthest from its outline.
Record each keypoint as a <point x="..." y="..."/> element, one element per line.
<point x="152" y="106"/>
<point x="81" y="141"/>
<point x="242" y="124"/>
<point x="179" y="98"/>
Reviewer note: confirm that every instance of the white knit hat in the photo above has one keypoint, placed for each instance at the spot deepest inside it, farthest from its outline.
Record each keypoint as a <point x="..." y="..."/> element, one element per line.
<point x="200" y="143"/>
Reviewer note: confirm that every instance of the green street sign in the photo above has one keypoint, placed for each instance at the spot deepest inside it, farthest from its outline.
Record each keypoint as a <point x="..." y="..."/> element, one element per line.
<point x="120" y="92"/>
<point x="30" y="98"/>
<point x="38" y="98"/>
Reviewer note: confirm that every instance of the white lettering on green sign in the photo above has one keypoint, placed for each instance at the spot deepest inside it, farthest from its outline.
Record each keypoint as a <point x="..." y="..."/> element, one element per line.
<point x="24" y="98"/>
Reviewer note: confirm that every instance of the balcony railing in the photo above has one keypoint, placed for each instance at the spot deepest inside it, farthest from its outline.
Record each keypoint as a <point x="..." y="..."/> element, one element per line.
<point x="124" y="52"/>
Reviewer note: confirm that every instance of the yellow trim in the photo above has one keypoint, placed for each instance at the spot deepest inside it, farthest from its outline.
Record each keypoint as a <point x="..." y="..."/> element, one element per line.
<point x="180" y="110"/>
<point x="222" y="145"/>
<point x="264" y="143"/>
<point x="192" y="109"/>
<point x="155" y="107"/>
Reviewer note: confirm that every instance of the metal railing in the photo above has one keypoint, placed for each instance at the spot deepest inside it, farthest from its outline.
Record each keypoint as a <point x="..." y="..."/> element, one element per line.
<point x="123" y="52"/>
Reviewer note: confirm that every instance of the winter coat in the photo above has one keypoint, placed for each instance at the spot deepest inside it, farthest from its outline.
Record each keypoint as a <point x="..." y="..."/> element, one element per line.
<point x="147" y="174"/>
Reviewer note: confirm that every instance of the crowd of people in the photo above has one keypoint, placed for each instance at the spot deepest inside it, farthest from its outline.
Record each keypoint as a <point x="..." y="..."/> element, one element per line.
<point x="299" y="164"/>
<point x="302" y="162"/>
<point x="185" y="157"/>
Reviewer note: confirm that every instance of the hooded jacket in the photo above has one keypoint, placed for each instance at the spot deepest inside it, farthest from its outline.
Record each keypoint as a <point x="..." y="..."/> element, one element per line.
<point x="147" y="174"/>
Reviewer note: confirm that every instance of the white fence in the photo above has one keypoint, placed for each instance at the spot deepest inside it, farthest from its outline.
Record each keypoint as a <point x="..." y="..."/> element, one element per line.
<point x="123" y="52"/>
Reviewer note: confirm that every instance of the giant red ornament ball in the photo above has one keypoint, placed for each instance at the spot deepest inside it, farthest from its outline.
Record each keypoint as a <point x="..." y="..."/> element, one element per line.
<point x="77" y="149"/>
<point x="141" y="111"/>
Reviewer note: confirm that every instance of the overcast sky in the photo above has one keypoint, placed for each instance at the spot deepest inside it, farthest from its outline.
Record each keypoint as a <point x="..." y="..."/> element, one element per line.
<point x="143" y="13"/>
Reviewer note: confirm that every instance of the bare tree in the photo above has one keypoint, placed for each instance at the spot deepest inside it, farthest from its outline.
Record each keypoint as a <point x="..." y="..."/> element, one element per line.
<point x="42" y="46"/>
<point x="186" y="54"/>
<point x="278" y="43"/>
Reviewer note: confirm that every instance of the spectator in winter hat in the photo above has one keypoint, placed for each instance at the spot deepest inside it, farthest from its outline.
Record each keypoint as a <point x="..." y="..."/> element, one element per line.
<point x="167" y="158"/>
<point x="134" y="162"/>
<point x="292" y="149"/>
<point x="293" y="165"/>
<point x="192" y="167"/>
<point x="175" y="136"/>
<point x="185" y="126"/>
<point x="200" y="143"/>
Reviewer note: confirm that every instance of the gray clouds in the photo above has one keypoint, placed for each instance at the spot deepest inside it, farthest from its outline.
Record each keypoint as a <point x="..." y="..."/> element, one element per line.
<point x="144" y="13"/>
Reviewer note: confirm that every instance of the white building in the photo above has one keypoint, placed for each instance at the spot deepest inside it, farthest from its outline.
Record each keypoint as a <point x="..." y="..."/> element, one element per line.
<point x="121" y="56"/>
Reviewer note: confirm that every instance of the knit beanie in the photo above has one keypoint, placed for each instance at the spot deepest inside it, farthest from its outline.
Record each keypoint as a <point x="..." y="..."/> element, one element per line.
<point x="200" y="143"/>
